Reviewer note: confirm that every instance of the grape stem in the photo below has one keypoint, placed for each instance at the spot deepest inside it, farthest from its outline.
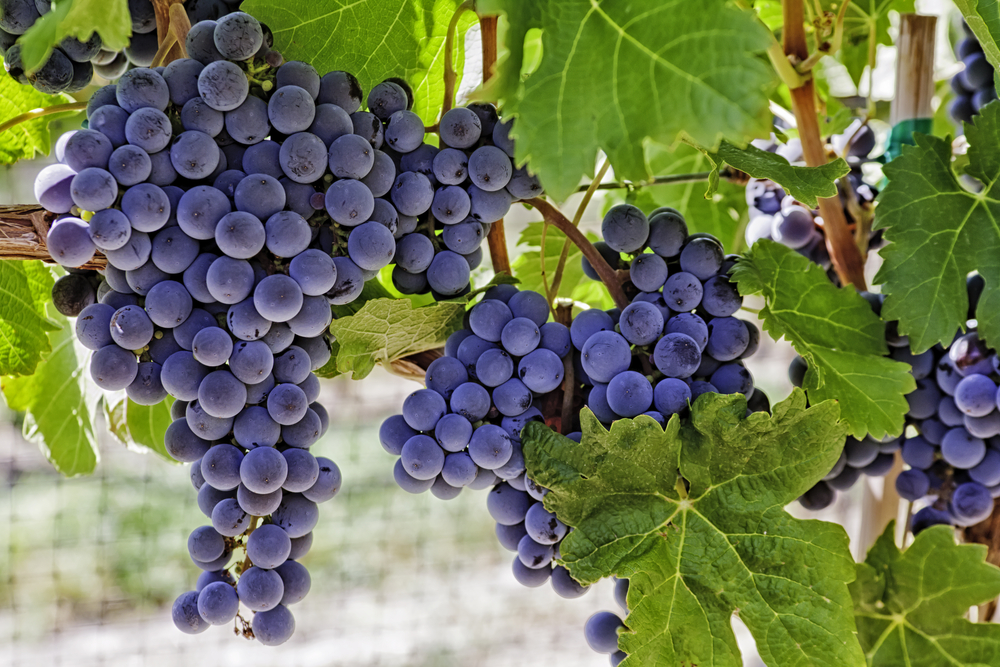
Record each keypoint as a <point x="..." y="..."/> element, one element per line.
<point x="172" y="27"/>
<point x="246" y="564"/>
<point x="38" y="113"/>
<point x="608" y="276"/>
<point x="844" y="253"/>
<point x="450" y="75"/>
<point x="564" y="315"/>
<point x="672" y="179"/>
<point x="496" y="238"/>
<point x="552" y="292"/>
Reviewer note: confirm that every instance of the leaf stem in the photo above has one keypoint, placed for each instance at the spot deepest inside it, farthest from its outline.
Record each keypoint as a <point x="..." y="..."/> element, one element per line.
<point x="844" y="252"/>
<point x="246" y="561"/>
<point x="695" y="177"/>
<point x="450" y="75"/>
<point x="38" y="113"/>
<point x="608" y="276"/>
<point x="564" y="253"/>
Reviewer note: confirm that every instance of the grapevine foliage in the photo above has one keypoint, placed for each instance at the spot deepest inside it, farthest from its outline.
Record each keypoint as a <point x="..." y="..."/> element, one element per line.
<point x="60" y="402"/>
<point x="939" y="232"/>
<point x="837" y="334"/>
<point x="693" y="516"/>
<point x="32" y="137"/>
<point x="910" y="605"/>
<point x="140" y="427"/>
<point x="25" y="287"/>
<point x="803" y="183"/>
<point x="613" y="94"/>
<point x="866" y="21"/>
<point x="373" y="40"/>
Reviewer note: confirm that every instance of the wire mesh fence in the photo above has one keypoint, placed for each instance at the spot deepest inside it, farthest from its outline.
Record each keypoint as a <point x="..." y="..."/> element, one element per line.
<point x="91" y="566"/>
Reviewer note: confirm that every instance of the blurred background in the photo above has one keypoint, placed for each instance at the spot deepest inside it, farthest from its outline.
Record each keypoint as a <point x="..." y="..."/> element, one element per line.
<point x="90" y="566"/>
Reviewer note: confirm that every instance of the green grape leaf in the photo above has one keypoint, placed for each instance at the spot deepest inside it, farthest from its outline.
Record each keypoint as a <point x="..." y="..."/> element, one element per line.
<point x="26" y="139"/>
<point x="25" y="288"/>
<point x="139" y="427"/>
<point x="371" y="39"/>
<point x="59" y="400"/>
<point x="146" y="426"/>
<point x="835" y="331"/>
<point x="803" y="183"/>
<point x="938" y="233"/>
<point x="372" y="289"/>
<point x="693" y="516"/>
<point x="80" y="19"/>
<point x="983" y="17"/>
<point x="910" y="605"/>
<point x="388" y="329"/>
<point x="384" y="330"/>
<point x="574" y="284"/>
<point x="866" y="26"/>
<point x="721" y="214"/>
<point x="614" y="75"/>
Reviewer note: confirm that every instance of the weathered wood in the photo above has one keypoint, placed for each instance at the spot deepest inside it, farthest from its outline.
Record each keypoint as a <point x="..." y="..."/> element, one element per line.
<point x="23" y="228"/>
<point x="914" y="68"/>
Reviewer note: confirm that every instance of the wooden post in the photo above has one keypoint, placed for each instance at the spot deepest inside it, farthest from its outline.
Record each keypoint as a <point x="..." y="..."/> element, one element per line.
<point x="914" y="91"/>
<point x="914" y="68"/>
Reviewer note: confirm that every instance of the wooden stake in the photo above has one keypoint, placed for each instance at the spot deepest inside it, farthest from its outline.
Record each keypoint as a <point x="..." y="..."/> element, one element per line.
<point x="914" y="68"/>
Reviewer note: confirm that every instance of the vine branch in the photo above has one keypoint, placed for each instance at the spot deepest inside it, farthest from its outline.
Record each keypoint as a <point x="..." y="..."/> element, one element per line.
<point x="608" y="276"/>
<point x="450" y="75"/>
<point x="38" y="113"/>
<point x="564" y="253"/>
<point x="847" y="261"/>
<point x="23" y="228"/>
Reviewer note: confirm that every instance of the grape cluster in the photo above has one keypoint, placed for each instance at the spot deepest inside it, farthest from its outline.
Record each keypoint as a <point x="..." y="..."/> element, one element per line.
<point x="973" y="86"/>
<point x="464" y="428"/>
<point x="953" y="449"/>
<point x="777" y="216"/>
<point x="509" y="364"/>
<point x="678" y="338"/>
<point x="73" y="63"/>
<point x="951" y="445"/>
<point x="447" y="196"/>
<point x="217" y="292"/>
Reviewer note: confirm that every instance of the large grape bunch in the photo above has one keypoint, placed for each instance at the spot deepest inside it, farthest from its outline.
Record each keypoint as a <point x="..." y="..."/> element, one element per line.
<point x="447" y="196"/>
<point x="776" y="216"/>
<point x="973" y="85"/>
<point x="464" y="429"/>
<point x="509" y="364"/>
<point x="73" y="63"/>
<point x="217" y="292"/>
